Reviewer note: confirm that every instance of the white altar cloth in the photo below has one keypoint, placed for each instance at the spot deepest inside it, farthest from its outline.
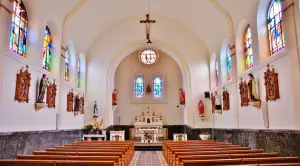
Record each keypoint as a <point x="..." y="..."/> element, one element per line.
<point x="117" y="135"/>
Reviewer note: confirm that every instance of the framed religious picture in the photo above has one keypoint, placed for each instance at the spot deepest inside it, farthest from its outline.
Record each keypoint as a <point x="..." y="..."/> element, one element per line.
<point x="51" y="95"/>
<point x="244" y="93"/>
<point x="70" y="101"/>
<point x="226" y="101"/>
<point x="82" y="105"/>
<point x="23" y="85"/>
<point x="271" y="84"/>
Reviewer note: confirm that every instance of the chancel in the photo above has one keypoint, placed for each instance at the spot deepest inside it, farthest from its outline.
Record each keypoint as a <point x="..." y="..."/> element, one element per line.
<point x="149" y="82"/>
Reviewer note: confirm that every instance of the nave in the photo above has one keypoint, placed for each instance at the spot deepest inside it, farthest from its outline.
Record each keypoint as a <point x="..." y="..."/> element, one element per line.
<point x="174" y="153"/>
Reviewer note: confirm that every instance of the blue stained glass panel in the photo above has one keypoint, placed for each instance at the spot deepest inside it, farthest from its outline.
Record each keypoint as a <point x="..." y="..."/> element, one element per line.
<point x="248" y="48"/>
<point x="139" y="87"/>
<point x="217" y="72"/>
<point x="67" y="65"/>
<point x="275" y="28"/>
<point x="228" y="58"/>
<point x="78" y="73"/>
<point x="157" y="87"/>
<point x="47" y="49"/>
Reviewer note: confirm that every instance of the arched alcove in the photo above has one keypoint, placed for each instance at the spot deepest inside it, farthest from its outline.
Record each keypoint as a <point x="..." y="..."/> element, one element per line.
<point x="129" y="105"/>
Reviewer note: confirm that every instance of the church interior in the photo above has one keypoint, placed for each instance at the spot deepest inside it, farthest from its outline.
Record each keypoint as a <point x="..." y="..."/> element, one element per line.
<point x="149" y="82"/>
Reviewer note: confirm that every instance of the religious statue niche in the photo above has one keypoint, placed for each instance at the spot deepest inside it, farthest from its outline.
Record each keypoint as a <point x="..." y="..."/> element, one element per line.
<point x="70" y="101"/>
<point x="51" y="95"/>
<point x="216" y="103"/>
<point x="148" y="89"/>
<point x="252" y="92"/>
<point x="95" y="111"/>
<point x="226" y="100"/>
<point x="181" y="97"/>
<point x="78" y="105"/>
<point x="201" y="110"/>
<point x="22" y="85"/>
<point x="81" y="108"/>
<point x="271" y="83"/>
<point x="114" y="97"/>
<point x="244" y="93"/>
<point x="42" y="89"/>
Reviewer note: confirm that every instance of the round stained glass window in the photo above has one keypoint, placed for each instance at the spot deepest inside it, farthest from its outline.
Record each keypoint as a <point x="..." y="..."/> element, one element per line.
<point x="148" y="56"/>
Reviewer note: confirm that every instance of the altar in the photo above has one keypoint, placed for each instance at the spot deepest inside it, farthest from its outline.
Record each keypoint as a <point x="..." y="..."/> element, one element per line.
<point x="148" y="127"/>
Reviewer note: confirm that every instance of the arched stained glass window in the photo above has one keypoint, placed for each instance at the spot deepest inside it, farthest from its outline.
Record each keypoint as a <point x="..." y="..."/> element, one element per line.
<point x="47" y="49"/>
<point x="229" y="64"/>
<point x="248" y="48"/>
<point x="217" y="72"/>
<point x="157" y="87"/>
<point x="148" y="56"/>
<point x="67" y="65"/>
<point x="139" y="87"/>
<point x="275" y="28"/>
<point x="78" y="72"/>
<point x="19" y="26"/>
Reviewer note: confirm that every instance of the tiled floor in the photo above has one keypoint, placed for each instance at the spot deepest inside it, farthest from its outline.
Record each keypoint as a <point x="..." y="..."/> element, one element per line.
<point x="148" y="158"/>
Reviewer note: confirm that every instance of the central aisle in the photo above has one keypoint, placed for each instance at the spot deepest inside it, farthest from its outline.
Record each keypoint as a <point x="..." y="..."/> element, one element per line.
<point x="148" y="158"/>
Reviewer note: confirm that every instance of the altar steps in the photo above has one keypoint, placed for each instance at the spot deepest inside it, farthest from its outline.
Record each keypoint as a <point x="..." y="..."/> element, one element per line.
<point x="148" y="148"/>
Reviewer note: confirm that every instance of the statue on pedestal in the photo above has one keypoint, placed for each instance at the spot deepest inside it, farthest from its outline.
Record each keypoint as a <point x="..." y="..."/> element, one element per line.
<point x="95" y="113"/>
<point x="114" y="97"/>
<point x="181" y="97"/>
<point x="201" y="110"/>
<point x="254" y="100"/>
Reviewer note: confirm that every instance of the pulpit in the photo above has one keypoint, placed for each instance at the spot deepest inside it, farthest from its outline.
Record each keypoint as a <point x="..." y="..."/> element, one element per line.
<point x="179" y="137"/>
<point x="117" y="135"/>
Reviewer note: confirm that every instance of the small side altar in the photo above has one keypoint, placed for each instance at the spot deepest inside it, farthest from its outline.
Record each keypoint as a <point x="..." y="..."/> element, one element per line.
<point x="148" y="127"/>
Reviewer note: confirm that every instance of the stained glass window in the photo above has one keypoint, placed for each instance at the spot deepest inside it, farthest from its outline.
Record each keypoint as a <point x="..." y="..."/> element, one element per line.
<point x="78" y="73"/>
<point x="248" y="48"/>
<point x="17" y="40"/>
<point x="157" y="87"/>
<point x="228" y="59"/>
<point x="139" y="87"/>
<point x="67" y="65"/>
<point x="217" y="72"/>
<point x="275" y="29"/>
<point x="148" y="56"/>
<point x="47" y="49"/>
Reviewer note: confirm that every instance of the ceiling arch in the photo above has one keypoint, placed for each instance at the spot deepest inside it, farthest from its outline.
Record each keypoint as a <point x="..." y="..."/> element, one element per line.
<point x="94" y="16"/>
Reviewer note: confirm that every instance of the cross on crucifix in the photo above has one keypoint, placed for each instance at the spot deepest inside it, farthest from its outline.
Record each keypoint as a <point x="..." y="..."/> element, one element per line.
<point x="147" y="22"/>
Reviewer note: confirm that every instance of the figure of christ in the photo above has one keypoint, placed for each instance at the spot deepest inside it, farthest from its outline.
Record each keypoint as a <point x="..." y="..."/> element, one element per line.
<point x="42" y="89"/>
<point x="201" y="109"/>
<point x="147" y="22"/>
<point x="252" y="88"/>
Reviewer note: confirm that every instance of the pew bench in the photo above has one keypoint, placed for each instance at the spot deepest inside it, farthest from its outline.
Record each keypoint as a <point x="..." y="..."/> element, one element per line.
<point x="54" y="163"/>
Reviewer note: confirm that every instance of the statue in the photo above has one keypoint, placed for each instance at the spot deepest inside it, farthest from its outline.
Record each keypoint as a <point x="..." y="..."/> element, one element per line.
<point x="95" y="110"/>
<point x="271" y="84"/>
<point x="114" y="97"/>
<point x="42" y="89"/>
<point x="77" y="105"/>
<point x="148" y="89"/>
<point x="252" y="88"/>
<point x="181" y="97"/>
<point x="201" y="109"/>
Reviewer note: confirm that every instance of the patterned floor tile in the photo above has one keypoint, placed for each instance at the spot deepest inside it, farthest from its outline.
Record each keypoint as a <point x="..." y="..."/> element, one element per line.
<point x="148" y="158"/>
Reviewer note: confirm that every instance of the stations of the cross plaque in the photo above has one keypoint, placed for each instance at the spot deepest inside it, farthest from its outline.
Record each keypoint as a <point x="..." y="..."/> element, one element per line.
<point x="148" y="22"/>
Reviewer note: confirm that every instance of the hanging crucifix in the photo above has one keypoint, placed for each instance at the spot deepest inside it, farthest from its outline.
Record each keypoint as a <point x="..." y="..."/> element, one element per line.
<point x="147" y="22"/>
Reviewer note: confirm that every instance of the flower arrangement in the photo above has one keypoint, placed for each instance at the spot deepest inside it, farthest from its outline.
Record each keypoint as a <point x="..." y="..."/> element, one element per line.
<point x="95" y="128"/>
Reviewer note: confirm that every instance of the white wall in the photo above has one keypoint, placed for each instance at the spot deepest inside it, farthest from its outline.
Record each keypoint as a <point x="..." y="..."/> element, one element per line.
<point x="15" y="116"/>
<point x="165" y="67"/>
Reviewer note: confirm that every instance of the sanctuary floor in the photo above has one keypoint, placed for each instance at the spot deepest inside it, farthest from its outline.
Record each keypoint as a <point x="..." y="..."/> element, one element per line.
<point x="148" y="158"/>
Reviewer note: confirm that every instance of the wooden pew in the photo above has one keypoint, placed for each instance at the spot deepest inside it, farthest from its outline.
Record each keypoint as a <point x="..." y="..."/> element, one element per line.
<point x="176" y="154"/>
<point x="54" y="163"/>
<point x="119" y="154"/>
<point x="268" y="160"/>
<point x="180" y="158"/>
<point x="116" y="159"/>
